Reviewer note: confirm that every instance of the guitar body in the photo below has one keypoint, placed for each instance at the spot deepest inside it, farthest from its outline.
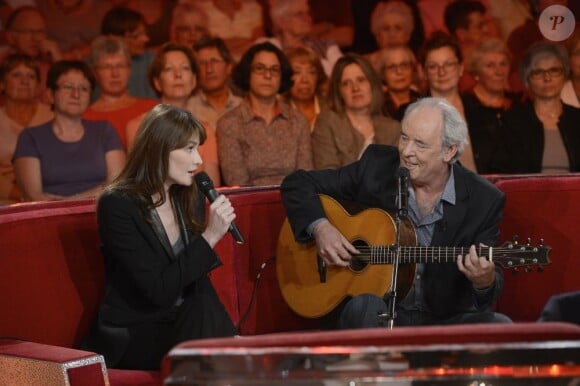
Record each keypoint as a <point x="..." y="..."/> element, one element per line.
<point x="297" y="264"/>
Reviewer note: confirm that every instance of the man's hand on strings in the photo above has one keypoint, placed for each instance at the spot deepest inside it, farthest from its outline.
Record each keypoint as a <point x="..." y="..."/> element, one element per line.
<point x="479" y="270"/>
<point x="332" y="246"/>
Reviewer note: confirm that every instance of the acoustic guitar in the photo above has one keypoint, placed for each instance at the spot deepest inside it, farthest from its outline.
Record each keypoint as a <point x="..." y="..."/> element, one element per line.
<point x="312" y="289"/>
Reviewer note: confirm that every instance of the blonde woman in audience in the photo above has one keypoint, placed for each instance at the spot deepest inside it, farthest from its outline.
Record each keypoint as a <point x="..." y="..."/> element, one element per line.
<point x="398" y="69"/>
<point x="310" y="82"/>
<point x="543" y="135"/>
<point x="111" y="63"/>
<point x="19" y="81"/>
<point x="354" y="119"/>
<point x="487" y="103"/>
<point x="571" y="90"/>
<point x="67" y="157"/>
<point x="263" y="139"/>
<point x="173" y="74"/>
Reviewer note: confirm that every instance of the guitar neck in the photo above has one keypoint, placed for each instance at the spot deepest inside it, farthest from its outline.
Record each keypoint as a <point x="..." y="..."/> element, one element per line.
<point x="414" y="255"/>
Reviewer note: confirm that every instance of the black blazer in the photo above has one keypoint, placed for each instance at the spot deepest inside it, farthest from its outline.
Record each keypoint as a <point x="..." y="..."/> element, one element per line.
<point x="144" y="278"/>
<point x="524" y="138"/>
<point x="371" y="181"/>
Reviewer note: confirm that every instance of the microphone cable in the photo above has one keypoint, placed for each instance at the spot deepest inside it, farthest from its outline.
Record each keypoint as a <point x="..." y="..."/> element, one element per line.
<point x="254" y="293"/>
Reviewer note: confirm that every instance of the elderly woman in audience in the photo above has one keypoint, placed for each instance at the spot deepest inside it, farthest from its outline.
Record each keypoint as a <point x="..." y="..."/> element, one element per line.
<point x="19" y="81"/>
<point x="111" y="63"/>
<point x="571" y="90"/>
<point x="392" y="24"/>
<point x="67" y="157"/>
<point x="263" y="139"/>
<point x="398" y="68"/>
<point x="306" y="93"/>
<point x="542" y="135"/>
<point x="173" y="74"/>
<point x="487" y="103"/>
<point x="354" y="120"/>
<point x="292" y="25"/>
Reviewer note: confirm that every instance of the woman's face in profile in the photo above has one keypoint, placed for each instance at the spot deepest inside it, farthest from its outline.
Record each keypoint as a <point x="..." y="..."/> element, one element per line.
<point x="20" y="84"/>
<point x="305" y="78"/>
<point x="183" y="163"/>
<point x="493" y="71"/>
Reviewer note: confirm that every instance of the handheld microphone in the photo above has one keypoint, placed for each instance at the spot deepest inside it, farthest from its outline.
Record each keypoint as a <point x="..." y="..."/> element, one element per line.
<point x="402" y="175"/>
<point x="205" y="185"/>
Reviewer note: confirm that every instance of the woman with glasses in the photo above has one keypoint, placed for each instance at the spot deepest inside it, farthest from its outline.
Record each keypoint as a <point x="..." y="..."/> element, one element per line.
<point x="354" y="119"/>
<point x="19" y="82"/>
<point x="111" y="63"/>
<point x="173" y="74"/>
<point x="263" y="139"/>
<point x="397" y="66"/>
<point x="543" y="135"/>
<point x="67" y="157"/>
<point x="487" y="103"/>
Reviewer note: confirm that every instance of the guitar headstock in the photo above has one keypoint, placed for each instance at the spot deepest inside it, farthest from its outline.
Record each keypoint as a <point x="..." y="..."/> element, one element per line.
<point x="512" y="254"/>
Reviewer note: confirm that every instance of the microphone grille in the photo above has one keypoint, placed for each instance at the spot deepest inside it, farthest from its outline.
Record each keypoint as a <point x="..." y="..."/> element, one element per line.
<point x="402" y="172"/>
<point x="203" y="182"/>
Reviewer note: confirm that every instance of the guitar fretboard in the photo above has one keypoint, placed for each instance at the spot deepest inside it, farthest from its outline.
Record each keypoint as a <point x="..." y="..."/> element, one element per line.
<point x="387" y="254"/>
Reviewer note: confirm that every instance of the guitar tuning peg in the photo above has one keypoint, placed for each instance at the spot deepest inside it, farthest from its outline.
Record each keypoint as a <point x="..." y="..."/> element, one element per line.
<point x="515" y="239"/>
<point x="529" y="241"/>
<point x="541" y="242"/>
<point x="527" y="269"/>
<point x="540" y="269"/>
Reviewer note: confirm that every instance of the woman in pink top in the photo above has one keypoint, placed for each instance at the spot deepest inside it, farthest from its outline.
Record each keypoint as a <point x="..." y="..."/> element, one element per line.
<point x="111" y="63"/>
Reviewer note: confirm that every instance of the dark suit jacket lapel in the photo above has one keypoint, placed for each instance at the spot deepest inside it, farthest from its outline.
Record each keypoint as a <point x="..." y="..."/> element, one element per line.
<point x="161" y="235"/>
<point x="453" y="215"/>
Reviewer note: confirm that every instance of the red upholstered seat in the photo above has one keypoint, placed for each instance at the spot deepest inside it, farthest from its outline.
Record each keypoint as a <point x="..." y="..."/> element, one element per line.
<point x="545" y="207"/>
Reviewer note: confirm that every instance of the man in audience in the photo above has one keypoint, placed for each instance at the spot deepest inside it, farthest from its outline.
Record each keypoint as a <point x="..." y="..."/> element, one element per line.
<point x="188" y="25"/>
<point x="214" y="96"/>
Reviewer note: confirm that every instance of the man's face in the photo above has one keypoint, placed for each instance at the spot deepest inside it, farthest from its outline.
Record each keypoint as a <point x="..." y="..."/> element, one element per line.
<point x="477" y="28"/>
<point x="136" y="40"/>
<point x="188" y="28"/>
<point x="420" y="146"/>
<point x="214" y="71"/>
<point x="28" y="33"/>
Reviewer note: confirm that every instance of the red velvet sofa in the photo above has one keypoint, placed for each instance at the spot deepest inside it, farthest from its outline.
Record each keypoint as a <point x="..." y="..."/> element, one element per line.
<point x="52" y="272"/>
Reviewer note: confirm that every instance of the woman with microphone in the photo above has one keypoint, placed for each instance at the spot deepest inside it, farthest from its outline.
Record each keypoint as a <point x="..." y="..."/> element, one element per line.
<point x="158" y="252"/>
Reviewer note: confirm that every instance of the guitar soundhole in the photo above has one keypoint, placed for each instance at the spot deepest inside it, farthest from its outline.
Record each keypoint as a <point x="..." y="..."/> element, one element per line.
<point x="359" y="263"/>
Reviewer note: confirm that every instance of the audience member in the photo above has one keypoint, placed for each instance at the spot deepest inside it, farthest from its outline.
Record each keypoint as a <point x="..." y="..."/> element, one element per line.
<point x="308" y="90"/>
<point x="571" y="91"/>
<point x="542" y="135"/>
<point x="292" y="24"/>
<point x="238" y="22"/>
<point x="26" y="34"/>
<point x="442" y="63"/>
<point x="111" y="63"/>
<point x="189" y="24"/>
<point x="129" y="25"/>
<point x="487" y="103"/>
<point x="157" y="249"/>
<point x="19" y="82"/>
<point x="466" y="21"/>
<point x="214" y="96"/>
<point x="354" y="119"/>
<point x="173" y="74"/>
<point x="391" y="24"/>
<point x="67" y="157"/>
<point x="441" y="191"/>
<point x="263" y="139"/>
<point x="73" y="24"/>
<point x="398" y="69"/>
<point x="157" y="15"/>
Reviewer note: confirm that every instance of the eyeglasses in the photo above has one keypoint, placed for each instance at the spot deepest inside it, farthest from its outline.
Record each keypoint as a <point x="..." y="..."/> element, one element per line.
<point x="540" y="73"/>
<point x="403" y="66"/>
<point x="111" y="67"/>
<point x="69" y="88"/>
<point x="210" y="62"/>
<point x="433" y="68"/>
<point x="260" y="69"/>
